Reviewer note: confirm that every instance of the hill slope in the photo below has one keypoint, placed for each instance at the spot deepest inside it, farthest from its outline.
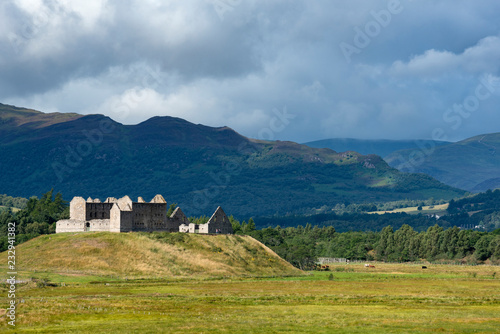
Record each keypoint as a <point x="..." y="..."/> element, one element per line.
<point x="472" y="164"/>
<point x="196" y="166"/>
<point x="151" y="255"/>
<point x="380" y="147"/>
<point x="30" y="119"/>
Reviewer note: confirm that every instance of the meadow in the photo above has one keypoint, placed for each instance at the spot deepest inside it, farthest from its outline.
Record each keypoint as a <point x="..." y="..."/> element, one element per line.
<point x="428" y="209"/>
<point x="390" y="298"/>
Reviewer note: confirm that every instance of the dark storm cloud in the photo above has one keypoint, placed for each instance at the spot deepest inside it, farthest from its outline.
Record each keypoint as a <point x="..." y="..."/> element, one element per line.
<point x="239" y="63"/>
<point x="46" y="49"/>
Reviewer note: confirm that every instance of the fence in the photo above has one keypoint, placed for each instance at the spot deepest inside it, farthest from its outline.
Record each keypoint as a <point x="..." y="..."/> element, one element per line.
<point x="327" y="260"/>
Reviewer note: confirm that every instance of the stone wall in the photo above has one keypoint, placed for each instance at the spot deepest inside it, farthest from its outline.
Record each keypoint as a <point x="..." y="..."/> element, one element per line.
<point x="218" y="223"/>
<point x="115" y="219"/>
<point x="70" y="225"/>
<point x="125" y="203"/>
<point x="98" y="211"/>
<point x="176" y="219"/>
<point x="193" y="228"/>
<point x="204" y="229"/>
<point x="149" y="216"/>
<point x="98" y="225"/>
<point x="126" y="221"/>
<point x="77" y="209"/>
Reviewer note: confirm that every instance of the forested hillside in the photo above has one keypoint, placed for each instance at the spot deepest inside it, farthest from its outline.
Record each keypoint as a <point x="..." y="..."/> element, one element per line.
<point x="379" y="147"/>
<point x="196" y="166"/>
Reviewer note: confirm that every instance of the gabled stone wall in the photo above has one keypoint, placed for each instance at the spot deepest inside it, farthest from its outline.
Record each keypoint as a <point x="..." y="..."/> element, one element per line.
<point x="219" y="223"/>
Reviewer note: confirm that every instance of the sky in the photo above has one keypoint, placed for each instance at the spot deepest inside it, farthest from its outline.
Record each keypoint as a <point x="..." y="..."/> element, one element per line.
<point x="298" y="70"/>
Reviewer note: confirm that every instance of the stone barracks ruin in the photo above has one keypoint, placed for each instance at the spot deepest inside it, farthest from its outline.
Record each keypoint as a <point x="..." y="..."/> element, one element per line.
<point x="124" y="215"/>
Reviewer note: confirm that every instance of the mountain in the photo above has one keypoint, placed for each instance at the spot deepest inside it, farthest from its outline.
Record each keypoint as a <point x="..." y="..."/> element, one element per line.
<point x="195" y="166"/>
<point x="152" y="255"/>
<point x="381" y="147"/>
<point x="472" y="164"/>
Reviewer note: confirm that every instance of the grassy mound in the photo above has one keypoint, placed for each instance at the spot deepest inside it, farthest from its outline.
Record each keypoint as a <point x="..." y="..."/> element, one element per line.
<point x="151" y="255"/>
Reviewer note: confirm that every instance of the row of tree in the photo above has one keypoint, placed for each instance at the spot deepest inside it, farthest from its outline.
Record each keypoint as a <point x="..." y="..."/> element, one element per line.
<point x="13" y="202"/>
<point x="361" y="222"/>
<point x="301" y="246"/>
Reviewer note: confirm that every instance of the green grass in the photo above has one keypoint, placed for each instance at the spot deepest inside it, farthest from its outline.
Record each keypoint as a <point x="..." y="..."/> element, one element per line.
<point x="391" y="298"/>
<point x="138" y="255"/>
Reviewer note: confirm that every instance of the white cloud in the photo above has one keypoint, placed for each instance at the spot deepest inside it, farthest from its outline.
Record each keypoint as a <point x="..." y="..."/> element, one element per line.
<point x="480" y="58"/>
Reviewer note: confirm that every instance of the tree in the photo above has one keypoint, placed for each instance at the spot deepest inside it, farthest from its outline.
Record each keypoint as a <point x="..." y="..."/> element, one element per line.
<point x="431" y="242"/>
<point x="402" y="241"/>
<point x="250" y="226"/>
<point x="386" y="243"/>
<point x="171" y="209"/>
<point x="452" y="207"/>
<point x="449" y="244"/>
<point x="235" y="224"/>
<point x="482" y="251"/>
<point x="494" y="247"/>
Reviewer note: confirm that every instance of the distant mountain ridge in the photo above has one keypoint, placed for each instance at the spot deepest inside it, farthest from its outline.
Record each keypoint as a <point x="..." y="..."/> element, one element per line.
<point x="472" y="164"/>
<point x="196" y="166"/>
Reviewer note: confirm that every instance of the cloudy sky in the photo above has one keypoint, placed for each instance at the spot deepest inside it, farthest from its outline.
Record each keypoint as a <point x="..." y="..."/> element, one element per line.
<point x="296" y="70"/>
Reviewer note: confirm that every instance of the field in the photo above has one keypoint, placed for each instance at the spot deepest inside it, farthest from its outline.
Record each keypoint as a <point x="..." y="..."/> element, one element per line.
<point x="391" y="298"/>
<point x="432" y="209"/>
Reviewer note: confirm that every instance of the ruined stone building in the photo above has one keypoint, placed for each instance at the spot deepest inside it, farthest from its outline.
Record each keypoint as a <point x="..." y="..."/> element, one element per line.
<point x="124" y="215"/>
